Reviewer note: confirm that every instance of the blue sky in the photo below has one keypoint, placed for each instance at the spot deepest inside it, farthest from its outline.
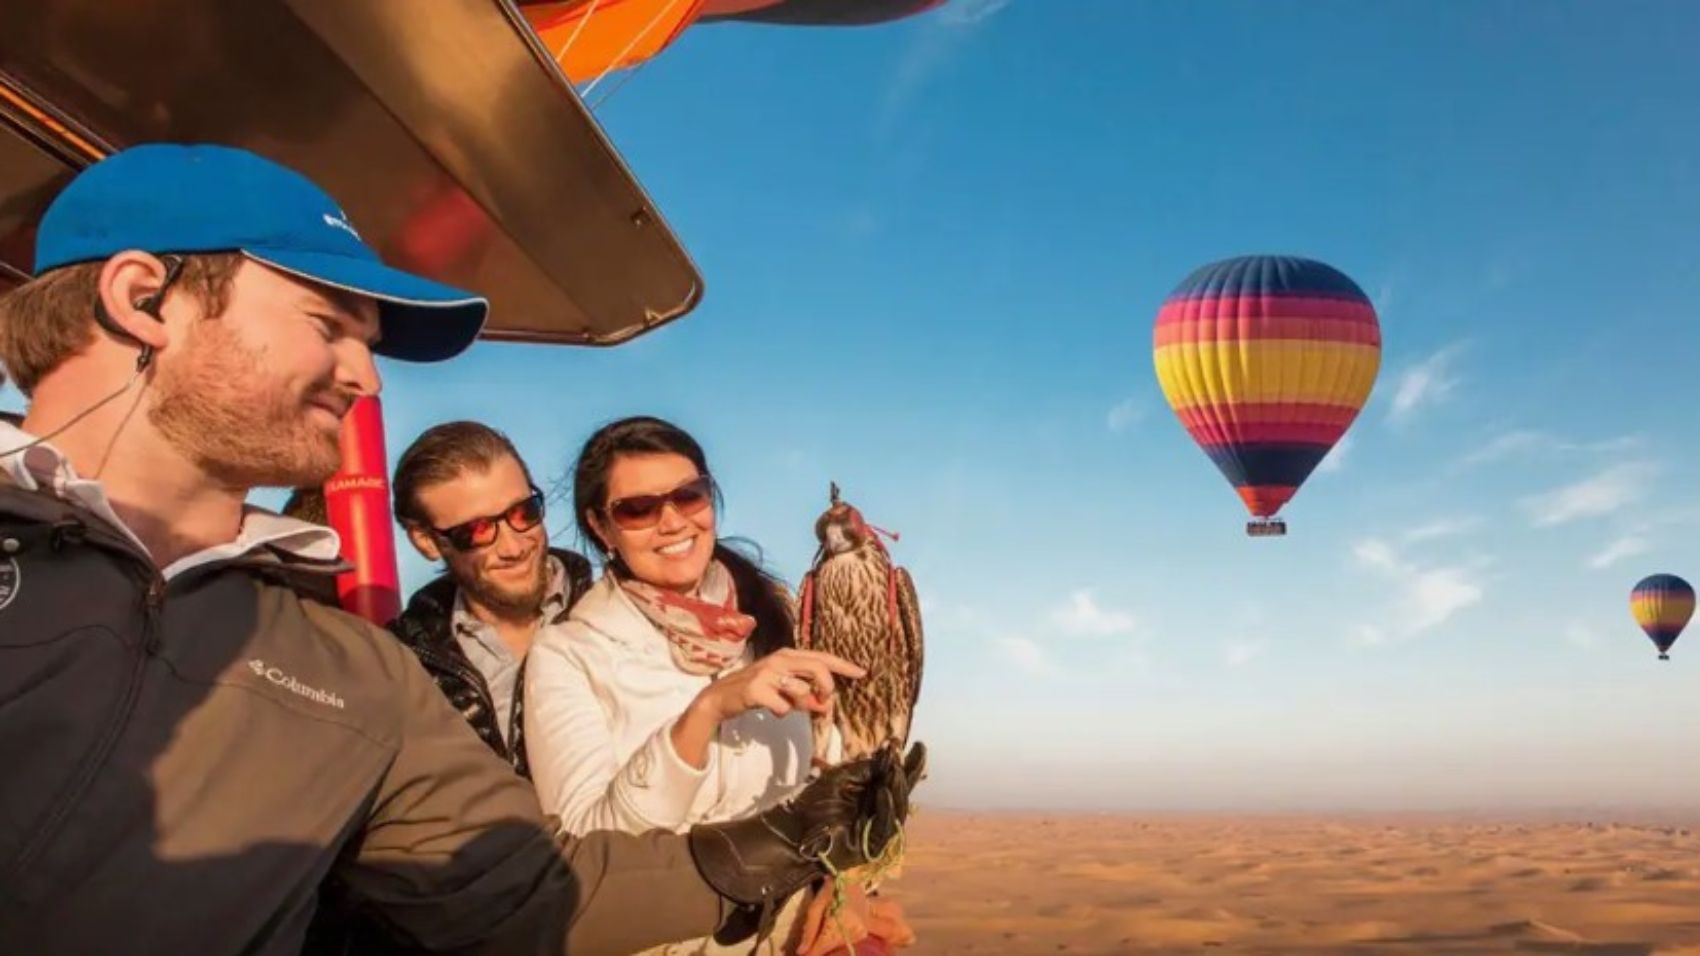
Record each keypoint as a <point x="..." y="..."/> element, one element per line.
<point x="934" y="251"/>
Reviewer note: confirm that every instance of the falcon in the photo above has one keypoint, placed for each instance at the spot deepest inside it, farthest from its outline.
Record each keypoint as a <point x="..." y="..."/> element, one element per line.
<point x="858" y="604"/>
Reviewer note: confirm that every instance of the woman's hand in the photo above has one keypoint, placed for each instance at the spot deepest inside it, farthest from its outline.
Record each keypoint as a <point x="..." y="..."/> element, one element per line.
<point x="782" y="681"/>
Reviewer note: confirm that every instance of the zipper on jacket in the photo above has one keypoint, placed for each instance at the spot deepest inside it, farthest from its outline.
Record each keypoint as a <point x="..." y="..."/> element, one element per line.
<point x="430" y="656"/>
<point x="73" y="795"/>
<point x="465" y="672"/>
<point x="512" y="742"/>
<point x="152" y="604"/>
<point x="73" y="532"/>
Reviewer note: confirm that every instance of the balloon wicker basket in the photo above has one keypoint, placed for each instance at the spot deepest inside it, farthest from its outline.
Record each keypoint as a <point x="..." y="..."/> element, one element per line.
<point x="1266" y="528"/>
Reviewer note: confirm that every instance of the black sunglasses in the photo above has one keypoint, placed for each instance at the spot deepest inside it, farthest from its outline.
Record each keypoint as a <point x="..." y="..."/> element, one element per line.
<point x="644" y="511"/>
<point x="522" y="515"/>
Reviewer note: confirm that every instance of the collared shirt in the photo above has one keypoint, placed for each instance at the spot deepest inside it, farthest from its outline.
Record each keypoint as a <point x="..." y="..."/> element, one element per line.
<point x="497" y="662"/>
<point x="43" y="467"/>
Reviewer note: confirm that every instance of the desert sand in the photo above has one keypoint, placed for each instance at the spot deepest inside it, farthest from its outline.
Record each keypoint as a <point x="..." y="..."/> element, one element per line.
<point x="1086" y="885"/>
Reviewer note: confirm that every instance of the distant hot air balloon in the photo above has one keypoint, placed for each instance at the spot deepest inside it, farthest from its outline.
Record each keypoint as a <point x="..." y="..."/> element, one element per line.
<point x="1662" y="604"/>
<point x="592" y="38"/>
<point x="1267" y="360"/>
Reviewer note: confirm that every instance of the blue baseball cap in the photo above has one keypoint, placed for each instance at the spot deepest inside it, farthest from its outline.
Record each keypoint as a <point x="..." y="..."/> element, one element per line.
<point x="173" y="198"/>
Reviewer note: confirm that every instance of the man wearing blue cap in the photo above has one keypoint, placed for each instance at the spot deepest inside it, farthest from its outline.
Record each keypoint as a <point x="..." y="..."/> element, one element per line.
<point x="194" y="750"/>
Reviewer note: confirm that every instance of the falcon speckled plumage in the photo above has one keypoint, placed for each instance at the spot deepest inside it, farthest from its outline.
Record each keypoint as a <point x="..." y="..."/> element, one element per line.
<point x="856" y="603"/>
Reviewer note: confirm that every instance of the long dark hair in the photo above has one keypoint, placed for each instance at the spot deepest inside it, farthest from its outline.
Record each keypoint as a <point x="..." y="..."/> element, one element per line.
<point x="761" y="594"/>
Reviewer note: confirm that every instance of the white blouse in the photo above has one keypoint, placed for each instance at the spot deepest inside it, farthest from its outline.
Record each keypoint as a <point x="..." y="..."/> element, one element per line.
<point x="601" y="696"/>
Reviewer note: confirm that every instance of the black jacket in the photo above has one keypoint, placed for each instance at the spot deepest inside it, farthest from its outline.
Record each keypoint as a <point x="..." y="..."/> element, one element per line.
<point x="426" y="628"/>
<point x="188" y="761"/>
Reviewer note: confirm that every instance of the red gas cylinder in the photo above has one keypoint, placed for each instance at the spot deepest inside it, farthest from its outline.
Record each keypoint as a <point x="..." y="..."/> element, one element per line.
<point x="357" y="501"/>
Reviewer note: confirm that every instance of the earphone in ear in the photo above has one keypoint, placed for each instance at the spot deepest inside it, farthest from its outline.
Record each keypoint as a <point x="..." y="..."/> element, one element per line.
<point x="104" y="319"/>
<point x="147" y="305"/>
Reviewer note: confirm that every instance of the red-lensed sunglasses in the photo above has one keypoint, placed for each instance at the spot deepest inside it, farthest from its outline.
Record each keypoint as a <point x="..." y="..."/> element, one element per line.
<point x="644" y="511"/>
<point x="522" y="515"/>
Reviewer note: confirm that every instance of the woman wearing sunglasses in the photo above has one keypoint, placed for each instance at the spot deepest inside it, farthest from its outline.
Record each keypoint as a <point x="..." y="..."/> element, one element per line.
<point x="673" y="694"/>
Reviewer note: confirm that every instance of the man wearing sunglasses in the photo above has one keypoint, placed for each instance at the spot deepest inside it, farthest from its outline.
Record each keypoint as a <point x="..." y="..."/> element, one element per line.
<point x="193" y="749"/>
<point x="465" y="498"/>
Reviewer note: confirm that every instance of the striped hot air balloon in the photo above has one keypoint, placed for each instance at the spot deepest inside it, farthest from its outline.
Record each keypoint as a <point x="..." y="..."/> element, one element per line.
<point x="1266" y="361"/>
<point x="1662" y="604"/>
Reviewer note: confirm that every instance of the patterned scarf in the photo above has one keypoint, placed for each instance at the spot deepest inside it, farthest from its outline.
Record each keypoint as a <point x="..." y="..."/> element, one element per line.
<point x="705" y="631"/>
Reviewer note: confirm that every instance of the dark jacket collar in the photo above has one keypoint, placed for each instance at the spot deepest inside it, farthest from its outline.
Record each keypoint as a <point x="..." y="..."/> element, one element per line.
<point x="430" y="612"/>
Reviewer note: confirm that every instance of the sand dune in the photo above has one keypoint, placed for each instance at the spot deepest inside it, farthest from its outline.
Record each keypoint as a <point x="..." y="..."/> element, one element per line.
<point x="1093" y="885"/>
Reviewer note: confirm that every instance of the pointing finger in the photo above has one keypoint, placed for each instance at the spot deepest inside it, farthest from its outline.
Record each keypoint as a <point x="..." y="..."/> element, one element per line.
<point x="820" y="680"/>
<point x="832" y="662"/>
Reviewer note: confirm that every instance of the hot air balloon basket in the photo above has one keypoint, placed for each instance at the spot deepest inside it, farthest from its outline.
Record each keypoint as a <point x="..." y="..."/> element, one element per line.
<point x="1272" y="528"/>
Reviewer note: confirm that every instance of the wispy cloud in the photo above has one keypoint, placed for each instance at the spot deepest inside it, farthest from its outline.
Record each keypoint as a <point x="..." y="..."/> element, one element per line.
<point x="966" y="13"/>
<point x="1519" y="442"/>
<point x="1617" y="549"/>
<point x="1249" y="625"/>
<point x="1082" y="616"/>
<point x="933" y="607"/>
<point x="1422" y="598"/>
<point x="1383" y="298"/>
<point x="941" y="614"/>
<point x="1604" y="493"/>
<point x="933" y="44"/>
<point x="1580" y="635"/>
<point x="1506" y="444"/>
<point x="1078" y="642"/>
<point x="1442" y="528"/>
<point x="1426" y="383"/>
<point x="1025" y="654"/>
<point x="1127" y="663"/>
<point x="794" y="460"/>
<point x="1240" y="653"/>
<point x="1336" y="457"/>
<point x="1505" y="270"/>
<point x="1125" y="415"/>
<point x="1643" y="530"/>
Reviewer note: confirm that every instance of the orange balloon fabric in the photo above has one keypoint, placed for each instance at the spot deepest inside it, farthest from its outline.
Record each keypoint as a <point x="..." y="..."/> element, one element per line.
<point x="592" y="38"/>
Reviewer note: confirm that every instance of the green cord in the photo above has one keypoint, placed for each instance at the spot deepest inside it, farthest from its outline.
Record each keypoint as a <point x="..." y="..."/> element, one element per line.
<point x="875" y="868"/>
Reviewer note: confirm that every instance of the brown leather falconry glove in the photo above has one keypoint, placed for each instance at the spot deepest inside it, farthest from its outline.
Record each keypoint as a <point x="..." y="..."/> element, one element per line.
<point x="850" y="813"/>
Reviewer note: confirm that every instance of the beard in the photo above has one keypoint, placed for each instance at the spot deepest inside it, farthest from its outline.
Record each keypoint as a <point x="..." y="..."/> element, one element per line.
<point x="517" y="602"/>
<point x="220" y="407"/>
